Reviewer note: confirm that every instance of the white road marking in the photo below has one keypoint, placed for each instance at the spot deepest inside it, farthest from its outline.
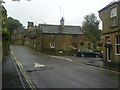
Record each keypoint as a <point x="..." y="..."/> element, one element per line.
<point x="39" y="65"/>
<point x="67" y="59"/>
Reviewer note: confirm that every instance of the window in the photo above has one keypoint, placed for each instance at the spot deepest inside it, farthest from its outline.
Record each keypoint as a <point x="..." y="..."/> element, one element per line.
<point x="74" y="45"/>
<point x="81" y="44"/>
<point x="114" y="21"/>
<point x="52" y="45"/>
<point x="117" y="45"/>
<point x="113" y="12"/>
<point x="113" y="16"/>
<point x="89" y="45"/>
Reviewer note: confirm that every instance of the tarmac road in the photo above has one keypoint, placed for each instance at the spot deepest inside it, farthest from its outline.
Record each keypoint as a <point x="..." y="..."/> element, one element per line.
<point x="59" y="73"/>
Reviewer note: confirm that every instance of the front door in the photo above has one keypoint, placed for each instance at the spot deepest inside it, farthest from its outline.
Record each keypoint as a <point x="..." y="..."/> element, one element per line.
<point x="108" y="51"/>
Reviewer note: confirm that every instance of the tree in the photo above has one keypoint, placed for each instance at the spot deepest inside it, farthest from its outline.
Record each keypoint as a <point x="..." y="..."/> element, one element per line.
<point x="4" y="31"/>
<point x="91" y="27"/>
<point x="14" y="24"/>
<point x="4" y="17"/>
<point x="3" y="21"/>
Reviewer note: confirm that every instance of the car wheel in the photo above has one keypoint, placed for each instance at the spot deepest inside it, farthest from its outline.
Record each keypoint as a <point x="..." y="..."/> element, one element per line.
<point x="82" y="55"/>
<point x="96" y="56"/>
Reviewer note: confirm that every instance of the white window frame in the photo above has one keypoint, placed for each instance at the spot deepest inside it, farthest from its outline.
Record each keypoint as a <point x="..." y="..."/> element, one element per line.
<point x="113" y="17"/>
<point x="114" y="21"/>
<point x="116" y="44"/>
<point x="113" y="12"/>
<point x="52" y="45"/>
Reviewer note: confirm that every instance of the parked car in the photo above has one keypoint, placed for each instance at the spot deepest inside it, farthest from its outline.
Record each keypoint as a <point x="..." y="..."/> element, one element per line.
<point x="87" y="53"/>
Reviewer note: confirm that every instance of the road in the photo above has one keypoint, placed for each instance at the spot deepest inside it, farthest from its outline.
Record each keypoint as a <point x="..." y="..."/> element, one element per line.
<point x="58" y="73"/>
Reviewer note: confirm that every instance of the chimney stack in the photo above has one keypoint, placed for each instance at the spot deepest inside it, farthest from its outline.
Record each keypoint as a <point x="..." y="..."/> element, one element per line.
<point x="62" y="22"/>
<point x="30" y="24"/>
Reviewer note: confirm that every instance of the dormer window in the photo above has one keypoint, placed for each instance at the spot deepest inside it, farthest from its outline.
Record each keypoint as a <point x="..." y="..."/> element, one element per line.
<point x="113" y="17"/>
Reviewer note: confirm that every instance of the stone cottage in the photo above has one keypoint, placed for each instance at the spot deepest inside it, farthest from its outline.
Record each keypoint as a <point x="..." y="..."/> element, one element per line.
<point x="63" y="37"/>
<point x="55" y="38"/>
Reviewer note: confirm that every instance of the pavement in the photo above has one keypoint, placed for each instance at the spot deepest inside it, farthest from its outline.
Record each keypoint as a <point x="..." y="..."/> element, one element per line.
<point x="0" y="63"/>
<point x="10" y="76"/>
<point x="0" y="75"/>
<point x="97" y="62"/>
<point x="0" y="51"/>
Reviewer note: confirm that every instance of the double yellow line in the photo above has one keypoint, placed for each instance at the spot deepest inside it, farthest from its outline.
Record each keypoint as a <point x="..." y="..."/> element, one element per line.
<point x="23" y="71"/>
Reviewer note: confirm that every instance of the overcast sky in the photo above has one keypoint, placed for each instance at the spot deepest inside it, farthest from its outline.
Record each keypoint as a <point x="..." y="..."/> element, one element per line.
<point x="49" y="11"/>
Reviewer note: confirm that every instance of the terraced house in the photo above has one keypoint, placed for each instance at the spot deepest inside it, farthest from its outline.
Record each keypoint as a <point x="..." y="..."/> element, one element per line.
<point x="55" y="38"/>
<point x="110" y="16"/>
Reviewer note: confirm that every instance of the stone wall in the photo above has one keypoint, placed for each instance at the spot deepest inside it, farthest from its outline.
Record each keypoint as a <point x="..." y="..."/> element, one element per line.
<point x="63" y="41"/>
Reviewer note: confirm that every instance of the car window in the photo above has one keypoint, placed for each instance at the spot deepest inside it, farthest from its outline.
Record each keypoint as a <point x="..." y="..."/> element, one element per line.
<point x="90" y="51"/>
<point x="86" y="50"/>
<point x="83" y="50"/>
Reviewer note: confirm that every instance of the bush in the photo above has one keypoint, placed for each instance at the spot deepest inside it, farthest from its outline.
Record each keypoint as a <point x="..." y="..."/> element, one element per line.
<point x="99" y="49"/>
<point x="6" y="33"/>
<point x="5" y="43"/>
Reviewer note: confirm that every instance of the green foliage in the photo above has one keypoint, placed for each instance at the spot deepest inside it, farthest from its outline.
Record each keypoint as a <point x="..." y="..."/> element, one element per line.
<point x="3" y="16"/>
<point x="13" y="24"/>
<point x="99" y="49"/>
<point x="6" y="32"/>
<point x="91" y="27"/>
<point x="83" y="47"/>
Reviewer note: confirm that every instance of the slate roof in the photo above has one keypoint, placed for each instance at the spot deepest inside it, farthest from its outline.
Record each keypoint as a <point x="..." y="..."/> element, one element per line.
<point x="29" y="34"/>
<point x="49" y="28"/>
<point x="57" y="29"/>
<point x="115" y="1"/>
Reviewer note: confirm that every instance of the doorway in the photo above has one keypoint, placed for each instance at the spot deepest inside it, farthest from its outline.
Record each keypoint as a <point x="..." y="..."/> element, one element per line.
<point x="108" y="50"/>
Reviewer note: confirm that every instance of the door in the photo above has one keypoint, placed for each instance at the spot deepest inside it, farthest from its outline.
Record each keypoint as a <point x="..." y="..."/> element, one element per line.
<point x="108" y="50"/>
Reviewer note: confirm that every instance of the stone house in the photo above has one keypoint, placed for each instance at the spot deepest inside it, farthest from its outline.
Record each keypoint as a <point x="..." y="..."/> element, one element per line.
<point x="110" y="16"/>
<point x="30" y="35"/>
<point x="31" y="39"/>
<point x="63" y="37"/>
<point x="46" y="37"/>
<point x="17" y="38"/>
